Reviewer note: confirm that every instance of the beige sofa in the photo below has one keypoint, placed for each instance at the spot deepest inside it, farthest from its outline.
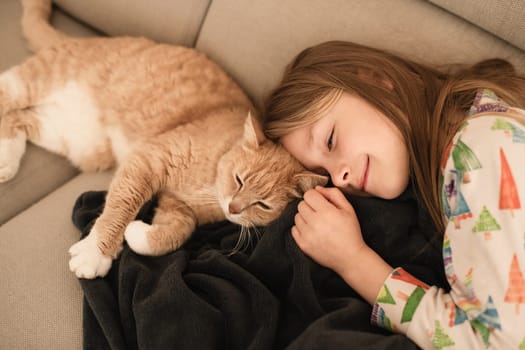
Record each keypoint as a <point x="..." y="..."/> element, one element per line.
<point x="40" y="300"/>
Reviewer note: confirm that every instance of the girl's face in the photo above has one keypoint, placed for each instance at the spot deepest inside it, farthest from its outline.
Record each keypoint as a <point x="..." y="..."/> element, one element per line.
<point x="358" y="146"/>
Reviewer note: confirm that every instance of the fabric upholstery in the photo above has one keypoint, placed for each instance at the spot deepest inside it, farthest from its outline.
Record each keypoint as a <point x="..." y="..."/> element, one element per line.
<point x="505" y="19"/>
<point x="255" y="39"/>
<point x="40" y="173"/>
<point x="174" y="21"/>
<point x="40" y="301"/>
<point x="11" y="41"/>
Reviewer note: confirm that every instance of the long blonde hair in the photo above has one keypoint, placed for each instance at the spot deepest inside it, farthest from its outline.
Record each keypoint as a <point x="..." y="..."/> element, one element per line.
<point x="426" y="104"/>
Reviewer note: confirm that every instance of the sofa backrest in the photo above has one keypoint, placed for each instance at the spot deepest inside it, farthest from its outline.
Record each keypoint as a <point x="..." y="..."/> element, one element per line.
<point x="254" y="40"/>
<point x="169" y="21"/>
<point x="505" y="19"/>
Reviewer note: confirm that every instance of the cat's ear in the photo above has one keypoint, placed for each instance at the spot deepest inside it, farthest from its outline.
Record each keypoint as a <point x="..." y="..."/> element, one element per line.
<point x="307" y="180"/>
<point x="253" y="132"/>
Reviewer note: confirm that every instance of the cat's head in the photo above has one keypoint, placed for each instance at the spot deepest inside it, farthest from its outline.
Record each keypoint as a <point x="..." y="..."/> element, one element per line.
<point x="257" y="179"/>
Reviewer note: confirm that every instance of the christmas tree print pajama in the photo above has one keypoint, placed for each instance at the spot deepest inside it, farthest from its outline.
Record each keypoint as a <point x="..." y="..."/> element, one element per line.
<point x="483" y="196"/>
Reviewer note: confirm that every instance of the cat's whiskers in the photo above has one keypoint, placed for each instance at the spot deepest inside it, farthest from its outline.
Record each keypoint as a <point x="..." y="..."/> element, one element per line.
<point x="245" y="240"/>
<point x="258" y="234"/>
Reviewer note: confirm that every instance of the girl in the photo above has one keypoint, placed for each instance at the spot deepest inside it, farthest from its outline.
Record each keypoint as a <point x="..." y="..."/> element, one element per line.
<point x="375" y="122"/>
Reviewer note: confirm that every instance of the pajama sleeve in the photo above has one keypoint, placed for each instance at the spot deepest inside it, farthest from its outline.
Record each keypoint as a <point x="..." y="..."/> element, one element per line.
<point x="483" y="247"/>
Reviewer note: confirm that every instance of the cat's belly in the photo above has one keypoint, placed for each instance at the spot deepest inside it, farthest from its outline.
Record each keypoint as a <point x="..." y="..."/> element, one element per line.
<point x="120" y="145"/>
<point x="70" y="125"/>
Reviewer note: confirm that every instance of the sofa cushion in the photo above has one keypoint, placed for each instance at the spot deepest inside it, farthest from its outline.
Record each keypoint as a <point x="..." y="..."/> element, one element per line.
<point x="13" y="46"/>
<point x="174" y="21"/>
<point x="41" y="172"/>
<point x="505" y="19"/>
<point x="40" y="299"/>
<point x="255" y="39"/>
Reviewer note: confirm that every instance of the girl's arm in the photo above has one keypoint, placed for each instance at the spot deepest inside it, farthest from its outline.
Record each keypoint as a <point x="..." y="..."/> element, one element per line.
<point x="483" y="249"/>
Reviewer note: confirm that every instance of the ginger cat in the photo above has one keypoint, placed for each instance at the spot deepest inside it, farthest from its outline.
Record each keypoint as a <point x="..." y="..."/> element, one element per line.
<point x="172" y="121"/>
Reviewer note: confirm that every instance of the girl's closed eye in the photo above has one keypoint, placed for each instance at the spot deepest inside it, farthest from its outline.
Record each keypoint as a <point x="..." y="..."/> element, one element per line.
<point x="330" y="142"/>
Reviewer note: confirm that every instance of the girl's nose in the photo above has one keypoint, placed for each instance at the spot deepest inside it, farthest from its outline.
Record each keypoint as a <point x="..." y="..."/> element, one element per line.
<point x="341" y="177"/>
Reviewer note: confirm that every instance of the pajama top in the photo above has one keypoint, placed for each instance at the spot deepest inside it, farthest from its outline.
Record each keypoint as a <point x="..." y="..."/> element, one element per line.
<point x="483" y="174"/>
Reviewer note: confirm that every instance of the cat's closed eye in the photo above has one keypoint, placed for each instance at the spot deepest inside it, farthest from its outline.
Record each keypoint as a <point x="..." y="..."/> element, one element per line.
<point x="263" y="205"/>
<point x="239" y="180"/>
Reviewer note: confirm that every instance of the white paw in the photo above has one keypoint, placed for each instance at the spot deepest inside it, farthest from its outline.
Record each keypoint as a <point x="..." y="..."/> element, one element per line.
<point x="11" y="151"/>
<point x="136" y="235"/>
<point x="86" y="259"/>
<point x="7" y="170"/>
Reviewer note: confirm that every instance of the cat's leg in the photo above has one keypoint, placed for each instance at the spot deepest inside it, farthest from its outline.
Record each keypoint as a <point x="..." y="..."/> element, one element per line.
<point x="15" y="128"/>
<point x="13" y="94"/>
<point x="11" y="151"/>
<point x="172" y="225"/>
<point x="15" y="124"/>
<point x="134" y="183"/>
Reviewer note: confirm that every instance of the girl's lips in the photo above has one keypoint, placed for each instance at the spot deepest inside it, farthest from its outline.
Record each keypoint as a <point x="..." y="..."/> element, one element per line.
<point x="364" y="175"/>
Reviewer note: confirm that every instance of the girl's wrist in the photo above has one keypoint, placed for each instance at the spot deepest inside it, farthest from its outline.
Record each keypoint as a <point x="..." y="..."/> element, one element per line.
<point x="366" y="273"/>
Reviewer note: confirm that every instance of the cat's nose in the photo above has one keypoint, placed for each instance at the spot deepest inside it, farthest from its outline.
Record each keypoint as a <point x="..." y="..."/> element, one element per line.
<point x="234" y="208"/>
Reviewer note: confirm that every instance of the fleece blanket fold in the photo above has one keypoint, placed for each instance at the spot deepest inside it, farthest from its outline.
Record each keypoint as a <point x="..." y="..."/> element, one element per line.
<point x="268" y="295"/>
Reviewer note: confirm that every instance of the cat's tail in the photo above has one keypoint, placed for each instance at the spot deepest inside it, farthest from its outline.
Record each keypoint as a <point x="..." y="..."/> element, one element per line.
<point x="36" y="27"/>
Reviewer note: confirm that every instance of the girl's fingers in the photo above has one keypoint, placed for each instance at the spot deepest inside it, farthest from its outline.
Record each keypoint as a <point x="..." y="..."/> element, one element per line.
<point x="296" y="235"/>
<point x="317" y="201"/>
<point x="334" y="196"/>
<point x="294" y="231"/>
<point x="300" y="221"/>
<point x="305" y="209"/>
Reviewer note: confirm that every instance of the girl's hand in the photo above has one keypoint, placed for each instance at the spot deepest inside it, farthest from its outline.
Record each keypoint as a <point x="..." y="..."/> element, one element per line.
<point x="326" y="228"/>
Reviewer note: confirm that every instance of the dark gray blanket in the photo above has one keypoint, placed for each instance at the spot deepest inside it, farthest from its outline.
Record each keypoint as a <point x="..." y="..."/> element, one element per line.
<point x="269" y="296"/>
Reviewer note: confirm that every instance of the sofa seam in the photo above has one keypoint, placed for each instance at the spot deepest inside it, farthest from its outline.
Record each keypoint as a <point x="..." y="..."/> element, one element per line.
<point x="201" y="25"/>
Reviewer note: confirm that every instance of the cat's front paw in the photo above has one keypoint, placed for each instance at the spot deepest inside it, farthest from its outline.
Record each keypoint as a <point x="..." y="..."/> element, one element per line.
<point x="87" y="261"/>
<point x="136" y="235"/>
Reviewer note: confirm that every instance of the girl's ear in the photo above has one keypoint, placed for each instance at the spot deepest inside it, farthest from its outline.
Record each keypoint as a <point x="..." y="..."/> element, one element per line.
<point x="253" y="133"/>
<point x="370" y="76"/>
<point x="307" y="180"/>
